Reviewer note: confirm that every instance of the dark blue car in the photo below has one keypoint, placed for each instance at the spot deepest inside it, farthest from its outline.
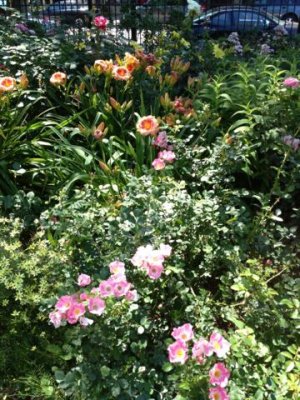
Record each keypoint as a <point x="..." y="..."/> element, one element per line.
<point x="238" y="19"/>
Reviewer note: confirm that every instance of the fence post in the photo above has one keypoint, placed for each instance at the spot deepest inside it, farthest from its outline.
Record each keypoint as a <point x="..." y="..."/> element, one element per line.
<point x="133" y="13"/>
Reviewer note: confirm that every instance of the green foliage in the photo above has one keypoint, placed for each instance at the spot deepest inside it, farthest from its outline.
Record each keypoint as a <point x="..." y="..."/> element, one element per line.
<point x="28" y="277"/>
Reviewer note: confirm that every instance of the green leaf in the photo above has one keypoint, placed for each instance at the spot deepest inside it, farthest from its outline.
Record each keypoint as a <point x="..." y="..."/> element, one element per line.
<point x="167" y="367"/>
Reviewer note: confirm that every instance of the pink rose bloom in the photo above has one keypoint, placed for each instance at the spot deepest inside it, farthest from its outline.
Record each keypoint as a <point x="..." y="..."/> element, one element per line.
<point x="218" y="393"/>
<point x="183" y="332"/>
<point x="202" y="348"/>
<point x="155" y="258"/>
<point x="158" y="164"/>
<point x="64" y="303"/>
<point x="291" y="82"/>
<point x="85" y="321"/>
<point x="121" y="288"/>
<point x="220" y="345"/>
<point x="167" y="155"/>
<point x="147" y="126"/>
<point x="131" y="295"/>
<point x="106" y="288"/>
<point x="141" y="256"/>
<point x="84" y="280"/>
<point x="101" y="22"/>
<point x="56" y="318"/>
<point x="155" y="271"/>
<point x="117" y="278"/>
<point x="117" y="268"/>
<point x="96" y="305"/>
<point x="161" y="140"/>
<point x="95" y="291"/>
<point x="75" y="312"/>
<point x="83" y="296"/>
<point x="178" y="352"/>
<point x="165" y="250"/>
<point x="219" y="375"/>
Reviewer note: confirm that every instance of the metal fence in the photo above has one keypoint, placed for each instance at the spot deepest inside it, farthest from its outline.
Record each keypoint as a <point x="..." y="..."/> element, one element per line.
<point x="133" y="16"/>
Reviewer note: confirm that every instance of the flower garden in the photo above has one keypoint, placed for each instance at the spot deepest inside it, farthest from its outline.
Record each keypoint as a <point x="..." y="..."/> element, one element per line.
<point x="149" y="236"/>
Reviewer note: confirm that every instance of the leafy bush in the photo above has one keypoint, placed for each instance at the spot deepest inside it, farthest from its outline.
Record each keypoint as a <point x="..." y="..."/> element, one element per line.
<point x="228" y="206"/>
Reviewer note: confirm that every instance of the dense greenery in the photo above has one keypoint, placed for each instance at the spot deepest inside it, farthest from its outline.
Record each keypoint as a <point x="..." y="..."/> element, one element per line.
<point x="78" y="190"/>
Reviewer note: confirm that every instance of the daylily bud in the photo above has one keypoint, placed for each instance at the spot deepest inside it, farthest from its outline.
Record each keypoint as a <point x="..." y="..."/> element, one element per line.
<point x="100" y="131"/>
<point x="24" y="82"/>
<point x="115" y="104"/>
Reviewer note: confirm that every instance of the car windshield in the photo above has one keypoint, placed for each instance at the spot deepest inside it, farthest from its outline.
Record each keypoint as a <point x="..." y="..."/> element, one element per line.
<point x="214" y="12"/>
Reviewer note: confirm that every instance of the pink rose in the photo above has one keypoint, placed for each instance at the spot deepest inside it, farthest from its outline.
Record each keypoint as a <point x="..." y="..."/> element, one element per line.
<point x="83" y="280"/>
<point x="117" y="268"/>
<point x="56" y="318"/>
<point x="101" y="22"/>
<point x="155" y="271"/>
<point x="167" y="155"/>
<point x="96" y="305"/>
<point x="131" y="295"/>
<point x="201" y="349"/>
<point x="178" y="352"/>
<point x="219" y="344"/>
<point x="76" y="311"/>
<point x="121" y="288"/>
<point x="218" y="393"/>
<point x="183" y="332"/>
<point x="291" y="82"/>
<point x="219" y="375"/>
<point x="158" y="164"/>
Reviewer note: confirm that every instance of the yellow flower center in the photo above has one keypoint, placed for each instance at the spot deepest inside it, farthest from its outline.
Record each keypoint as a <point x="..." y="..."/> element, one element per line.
<point x="180" y="352"/>
<point x="7" y="82"/>
<point x="217" y="345"/>
<point x="217" y="373"/>
<point x="184" y="336"/>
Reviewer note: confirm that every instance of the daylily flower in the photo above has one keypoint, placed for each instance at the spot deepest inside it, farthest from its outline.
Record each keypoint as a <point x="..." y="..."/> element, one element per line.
<point x="121" y="73"/>
<point x="147" y="125"/>
<point x="7" y="84"/>
<point x="58" y="79"/>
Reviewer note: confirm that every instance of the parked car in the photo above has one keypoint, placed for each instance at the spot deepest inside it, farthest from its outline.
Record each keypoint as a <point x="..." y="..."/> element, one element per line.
<point x="233" y="18"/>
<point x="288" y="10"/>
<point x="163" y="10"/>
<point x="67" y="11"/>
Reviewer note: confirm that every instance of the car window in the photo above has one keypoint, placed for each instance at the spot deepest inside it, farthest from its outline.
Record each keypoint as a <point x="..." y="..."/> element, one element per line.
<point x="249" y="19"/>
<point x="163" y="3"/>
<point x="221" y="19"/>
<point x="277" y="2"/>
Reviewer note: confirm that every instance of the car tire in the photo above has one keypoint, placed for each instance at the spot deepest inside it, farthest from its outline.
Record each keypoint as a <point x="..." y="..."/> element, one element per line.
<point x="290" y="18"/>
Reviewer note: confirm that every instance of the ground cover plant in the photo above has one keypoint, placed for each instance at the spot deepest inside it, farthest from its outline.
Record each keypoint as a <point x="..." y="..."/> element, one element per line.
<point x="150" y="221"/>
